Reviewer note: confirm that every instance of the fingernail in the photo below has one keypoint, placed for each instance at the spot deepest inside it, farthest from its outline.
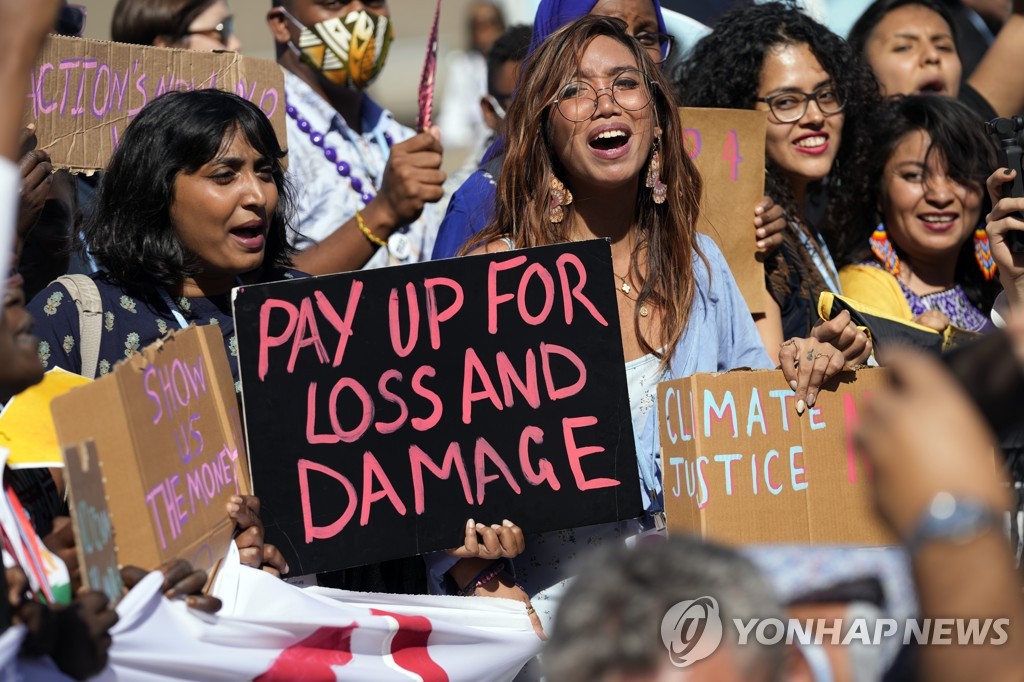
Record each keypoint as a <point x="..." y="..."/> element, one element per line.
<point x="232" y="507"/>
<point x="800" y="407"/>
<point x="287" y="568"/>
<point x="1007" y="172"/>
<point x="506" y="523"/>
<point x="793" y="384"/>
<point x="480" y="526"/>
<point x="495" y="526"/>
<point x="810" y="398"/>
<point x="761" y="232"/>
<point x="471" y="524"/>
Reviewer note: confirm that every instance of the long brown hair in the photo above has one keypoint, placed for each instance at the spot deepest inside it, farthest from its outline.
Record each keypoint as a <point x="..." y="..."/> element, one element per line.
<point x="665" y="234"/>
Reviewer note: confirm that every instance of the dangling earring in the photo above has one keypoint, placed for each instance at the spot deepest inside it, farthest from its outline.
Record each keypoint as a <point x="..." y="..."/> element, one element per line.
<point x="882" y="248"/>
<point x="654" y="175"/>
<point x="560" y="196"/>
<point x="983" y="253"/>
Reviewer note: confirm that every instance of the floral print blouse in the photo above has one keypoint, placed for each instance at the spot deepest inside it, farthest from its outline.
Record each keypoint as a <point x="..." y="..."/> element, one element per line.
<point x="133" y="318"/>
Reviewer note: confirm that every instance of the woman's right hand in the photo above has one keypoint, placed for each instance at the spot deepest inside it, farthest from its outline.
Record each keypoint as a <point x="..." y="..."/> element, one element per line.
<point x="1004" y="218"/>
<point x="490" y="542"/>
<point x="769" y="224"/>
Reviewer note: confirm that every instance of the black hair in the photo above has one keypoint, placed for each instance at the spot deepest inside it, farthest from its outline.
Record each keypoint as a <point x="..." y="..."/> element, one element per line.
<point x="512" y="46"/>
<point x="141" y="22"/>
<point x="130" y="232"/>
<point x="958" y="135"/>
<point x="865" y="25"/>
<point x="724" y="70"/>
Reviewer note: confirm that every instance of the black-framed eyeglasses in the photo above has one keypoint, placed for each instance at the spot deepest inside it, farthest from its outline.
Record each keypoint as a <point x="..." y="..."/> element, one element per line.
<point x="224" y="30"/>
<point x="71" y="20"/>
<point x="791" y="105"/>
<point x="658" y="44"/>
<point x="577" y="100"/>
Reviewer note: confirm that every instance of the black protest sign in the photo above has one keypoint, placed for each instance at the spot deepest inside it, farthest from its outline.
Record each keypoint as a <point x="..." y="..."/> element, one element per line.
<point x="384" y="408"/>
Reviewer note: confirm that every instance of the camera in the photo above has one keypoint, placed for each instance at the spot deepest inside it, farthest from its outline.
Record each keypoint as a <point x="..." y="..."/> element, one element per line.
<point x="1008" y="134"/>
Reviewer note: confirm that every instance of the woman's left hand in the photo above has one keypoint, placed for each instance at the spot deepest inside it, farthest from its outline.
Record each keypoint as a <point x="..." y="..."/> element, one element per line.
<point x="847" y="338"/>
<point x="807" y="364"/>
<point x="1004" y="219"/>
<point x="252" y="550"/>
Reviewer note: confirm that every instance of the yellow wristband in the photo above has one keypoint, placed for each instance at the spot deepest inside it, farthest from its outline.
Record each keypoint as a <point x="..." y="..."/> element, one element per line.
<point x="374" y="239"/>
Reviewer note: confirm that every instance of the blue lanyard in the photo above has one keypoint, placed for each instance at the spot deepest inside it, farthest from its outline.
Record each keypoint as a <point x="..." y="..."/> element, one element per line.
<point x="821" y="257"/>
<point x="176" y="311"/>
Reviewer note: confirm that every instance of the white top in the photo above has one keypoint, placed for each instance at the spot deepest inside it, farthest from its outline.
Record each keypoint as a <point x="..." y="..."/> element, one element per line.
<point x="10" y="185"/>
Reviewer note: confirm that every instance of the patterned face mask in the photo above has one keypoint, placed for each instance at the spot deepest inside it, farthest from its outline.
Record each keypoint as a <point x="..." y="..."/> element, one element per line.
<point x="348" y="51"/>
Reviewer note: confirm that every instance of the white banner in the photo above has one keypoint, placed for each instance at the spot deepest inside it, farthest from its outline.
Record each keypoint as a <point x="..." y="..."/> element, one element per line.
<point x="271" y="631"/>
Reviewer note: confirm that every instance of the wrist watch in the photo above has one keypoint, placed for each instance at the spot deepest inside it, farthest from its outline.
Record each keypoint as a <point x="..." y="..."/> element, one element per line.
<point x="951" y="518"/>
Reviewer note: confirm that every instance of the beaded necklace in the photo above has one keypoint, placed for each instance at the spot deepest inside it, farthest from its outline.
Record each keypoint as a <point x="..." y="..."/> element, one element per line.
<point x="331" y="154"/>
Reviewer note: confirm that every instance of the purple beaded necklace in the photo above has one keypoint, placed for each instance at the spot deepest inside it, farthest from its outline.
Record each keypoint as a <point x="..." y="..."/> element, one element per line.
<point x="331" y="154"/>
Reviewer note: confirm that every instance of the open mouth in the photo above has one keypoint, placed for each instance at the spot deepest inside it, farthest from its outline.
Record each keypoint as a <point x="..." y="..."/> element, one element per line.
<point x="610" y="140"/>
<point x="250" y="235"/>
<point x="935" y="86"/>
<point x="812" y="144"/>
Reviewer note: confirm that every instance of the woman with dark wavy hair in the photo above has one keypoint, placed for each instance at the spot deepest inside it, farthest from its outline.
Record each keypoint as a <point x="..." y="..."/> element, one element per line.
<point x="192" y="203"/>
<point x="595" y="150"/>
<point x="818" y="98"/>
<point x="928" y="260"/>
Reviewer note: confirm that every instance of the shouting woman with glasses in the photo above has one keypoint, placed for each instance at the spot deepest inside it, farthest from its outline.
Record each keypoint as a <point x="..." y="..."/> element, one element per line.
<point x="595" y="151"/>
<point x="817" y="97"/>
<point x="203" y="25"/>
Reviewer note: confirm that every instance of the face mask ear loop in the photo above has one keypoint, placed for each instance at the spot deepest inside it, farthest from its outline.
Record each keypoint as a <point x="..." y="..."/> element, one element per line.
<point x="298" y="24"/>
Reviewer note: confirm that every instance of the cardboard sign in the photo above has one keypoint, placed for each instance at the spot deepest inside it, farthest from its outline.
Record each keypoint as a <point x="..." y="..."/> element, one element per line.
<point x="94" y="534"/>
<point x="84" y="93"/>
<point x="728" y="147"/>
<point x="166" y="429"/>
<point x="26" y="426"/>
<point x="740" y="466"/>
<point x="384" y="408"/>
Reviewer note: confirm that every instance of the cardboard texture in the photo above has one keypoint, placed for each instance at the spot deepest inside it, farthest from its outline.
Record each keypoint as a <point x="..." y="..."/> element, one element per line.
<point x="728" y="147"/>
<point x="740" y="466"/>
<point x="95" y="541"/>
<point x="84" y="93"/>
<point x="386" y="407"/>
<point x="26" y="426"/>
<point x="165" y="426"/>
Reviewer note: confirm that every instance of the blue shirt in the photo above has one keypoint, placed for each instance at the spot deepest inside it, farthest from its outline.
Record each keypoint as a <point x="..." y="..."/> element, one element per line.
<point x="469" y="211"/>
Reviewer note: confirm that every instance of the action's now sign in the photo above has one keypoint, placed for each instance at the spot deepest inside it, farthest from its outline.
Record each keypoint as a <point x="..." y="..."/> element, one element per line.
<point x="384" y="408"/>
<point x="740" y="466"/>
<point x="84" y="93"/>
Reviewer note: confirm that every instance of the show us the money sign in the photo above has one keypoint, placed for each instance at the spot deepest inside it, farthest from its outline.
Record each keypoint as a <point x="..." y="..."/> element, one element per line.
<point x="384" y="408"/>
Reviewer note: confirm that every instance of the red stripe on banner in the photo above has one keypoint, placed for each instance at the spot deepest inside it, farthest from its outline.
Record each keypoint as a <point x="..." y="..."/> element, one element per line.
<point x="409" y="646"/>
<point x="312" y="659"/>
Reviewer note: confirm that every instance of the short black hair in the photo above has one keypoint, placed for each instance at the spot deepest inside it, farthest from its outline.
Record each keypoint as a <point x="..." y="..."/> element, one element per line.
<point x="512" y="46"/>
<point x="130" y="232"/>
<point x="876" y="11"/>
<point x="141" y="22"/>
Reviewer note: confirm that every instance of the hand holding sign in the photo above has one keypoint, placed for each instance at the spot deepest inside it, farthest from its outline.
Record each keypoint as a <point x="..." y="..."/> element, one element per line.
<point x="769" y="224"/>
<point x="252" y="550"/>
<point x="180" y="581"/>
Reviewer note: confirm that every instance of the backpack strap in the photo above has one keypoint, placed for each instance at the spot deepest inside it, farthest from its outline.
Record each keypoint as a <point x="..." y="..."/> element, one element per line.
<point x="90" y="318"/>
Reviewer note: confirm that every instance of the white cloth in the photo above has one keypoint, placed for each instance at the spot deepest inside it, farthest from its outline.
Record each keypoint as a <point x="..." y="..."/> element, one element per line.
<point x="461" y="120"/>
<point x="10" y="191"/>
<point x="326" y="200"/>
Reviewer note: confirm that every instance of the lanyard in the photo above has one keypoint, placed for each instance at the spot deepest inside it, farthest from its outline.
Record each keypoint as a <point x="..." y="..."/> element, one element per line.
<point x="173" y="307"/>
<point x="176" y="311"/>
<point x="821" y="257"/>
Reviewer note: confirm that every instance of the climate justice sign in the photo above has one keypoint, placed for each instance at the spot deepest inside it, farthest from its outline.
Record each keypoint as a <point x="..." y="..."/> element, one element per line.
<point x="384" y="408"/>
